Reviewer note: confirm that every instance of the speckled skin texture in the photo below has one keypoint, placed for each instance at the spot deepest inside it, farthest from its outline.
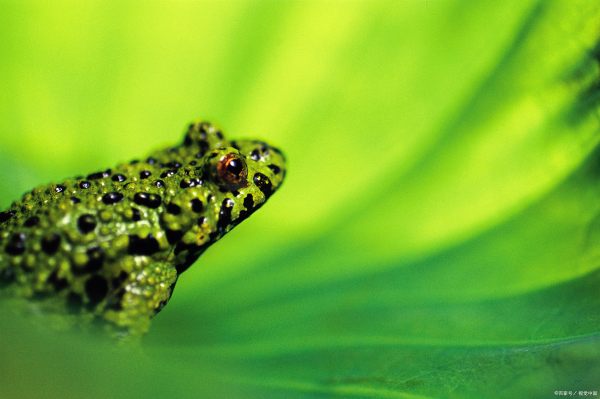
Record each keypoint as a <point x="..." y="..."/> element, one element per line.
<point x="110" y="246"/>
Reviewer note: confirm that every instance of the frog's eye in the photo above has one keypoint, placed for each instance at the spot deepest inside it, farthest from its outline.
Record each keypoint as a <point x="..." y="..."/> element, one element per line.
<point x="232" y="171"/>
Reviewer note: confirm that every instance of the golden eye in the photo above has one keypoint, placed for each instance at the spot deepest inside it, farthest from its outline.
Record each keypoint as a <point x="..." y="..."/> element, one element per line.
<point x="232" y="171"/>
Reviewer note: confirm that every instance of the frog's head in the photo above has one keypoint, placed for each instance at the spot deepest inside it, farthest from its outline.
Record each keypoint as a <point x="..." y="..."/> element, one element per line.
<point x="251" y="156"/>
<point x="236" y="168"/>
<point x="232" y="180"/>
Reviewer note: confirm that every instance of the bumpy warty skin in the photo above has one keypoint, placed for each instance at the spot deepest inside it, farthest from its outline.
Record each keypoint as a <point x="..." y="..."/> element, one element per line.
<point x="109" y="246"/>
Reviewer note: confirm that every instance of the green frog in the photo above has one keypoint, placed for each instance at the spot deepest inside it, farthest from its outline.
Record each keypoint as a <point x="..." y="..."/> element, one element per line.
<point x="109" y="246"/>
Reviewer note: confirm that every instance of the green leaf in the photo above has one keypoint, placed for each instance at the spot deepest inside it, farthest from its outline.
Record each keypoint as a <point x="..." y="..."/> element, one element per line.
<point x="438" y="232"/>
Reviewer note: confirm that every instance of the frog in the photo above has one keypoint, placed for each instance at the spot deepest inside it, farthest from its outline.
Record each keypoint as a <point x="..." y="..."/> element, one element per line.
<point x="107" y="248"/>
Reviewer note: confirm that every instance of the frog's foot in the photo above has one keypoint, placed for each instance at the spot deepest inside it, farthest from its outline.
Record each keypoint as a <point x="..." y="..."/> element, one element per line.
<point x="141" y="296"/>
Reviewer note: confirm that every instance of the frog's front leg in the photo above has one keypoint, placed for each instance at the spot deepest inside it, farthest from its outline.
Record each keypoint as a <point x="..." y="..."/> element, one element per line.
<point x="141" y="295"/>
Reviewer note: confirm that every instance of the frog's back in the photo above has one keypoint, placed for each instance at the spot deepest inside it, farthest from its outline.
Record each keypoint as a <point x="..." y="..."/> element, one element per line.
<point x="83" y="242"/>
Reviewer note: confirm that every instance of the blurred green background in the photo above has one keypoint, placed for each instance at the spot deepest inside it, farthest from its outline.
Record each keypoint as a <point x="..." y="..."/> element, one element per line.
<point x="437" y="234"/>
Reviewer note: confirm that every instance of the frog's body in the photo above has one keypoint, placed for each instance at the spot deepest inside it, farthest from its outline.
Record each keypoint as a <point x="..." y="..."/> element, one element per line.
<point x="112" y="244"/>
